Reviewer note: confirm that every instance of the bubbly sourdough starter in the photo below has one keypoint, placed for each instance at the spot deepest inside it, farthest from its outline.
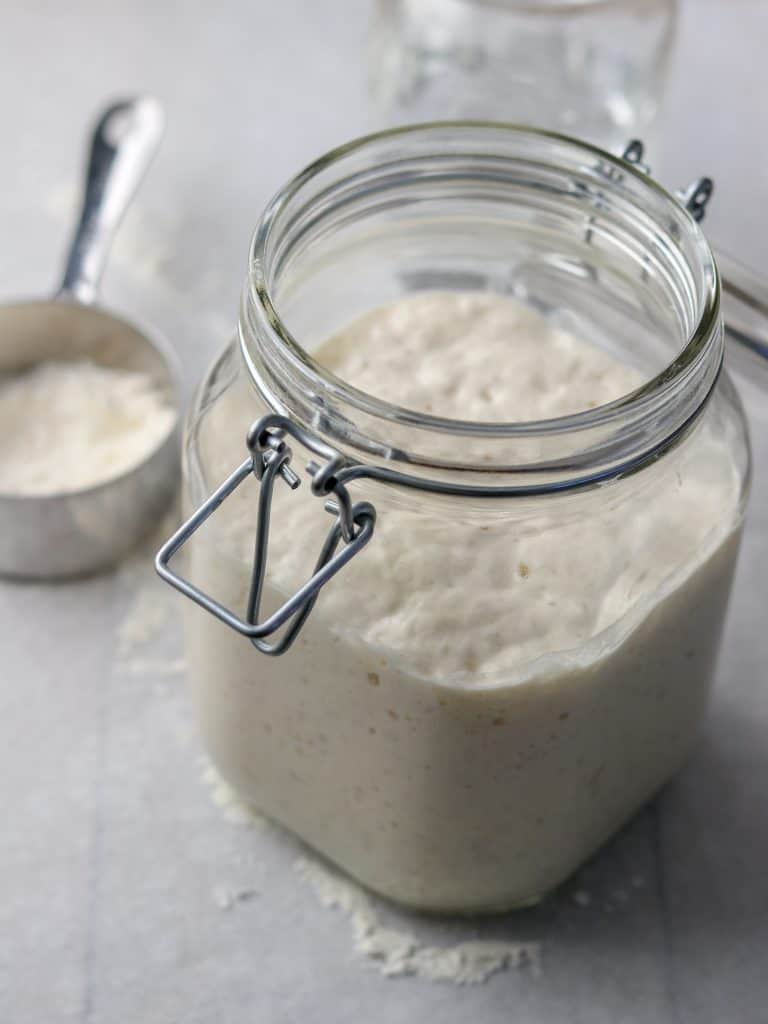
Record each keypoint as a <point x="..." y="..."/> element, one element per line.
<point x="478" y="700"/>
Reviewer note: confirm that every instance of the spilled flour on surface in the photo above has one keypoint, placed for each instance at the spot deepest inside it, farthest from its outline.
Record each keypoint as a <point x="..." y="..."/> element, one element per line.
<point x="225" y="897"/>
<point x="233" y="809"/>
<point x="394" y="952"/>
<point x="147" y="615"/>
<point x="151" y="612"/>
<point x="399" y="953"/>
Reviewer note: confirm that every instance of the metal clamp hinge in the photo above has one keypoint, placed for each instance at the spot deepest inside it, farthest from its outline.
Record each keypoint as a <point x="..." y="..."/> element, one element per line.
<point x="634" y="151"/>
<point x="269" y="457"/>
<point x="694" y="198"/>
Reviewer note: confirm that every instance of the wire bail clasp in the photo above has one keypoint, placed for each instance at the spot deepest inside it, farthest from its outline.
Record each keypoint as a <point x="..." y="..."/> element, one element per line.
<point x="694" y="198"/>
<point x="269" y="458"/>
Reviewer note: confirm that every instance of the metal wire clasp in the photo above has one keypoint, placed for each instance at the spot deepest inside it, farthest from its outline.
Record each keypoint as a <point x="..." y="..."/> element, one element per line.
<point x="694" y="198"/>
<point x="269" y="457"/>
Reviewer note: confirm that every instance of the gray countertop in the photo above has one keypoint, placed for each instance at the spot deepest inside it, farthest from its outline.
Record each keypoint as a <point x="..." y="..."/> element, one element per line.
<point x="117" y="868"/>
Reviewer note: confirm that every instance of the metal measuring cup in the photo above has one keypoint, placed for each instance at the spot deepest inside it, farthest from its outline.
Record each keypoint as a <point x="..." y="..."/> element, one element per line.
<point x="78" y="532"/>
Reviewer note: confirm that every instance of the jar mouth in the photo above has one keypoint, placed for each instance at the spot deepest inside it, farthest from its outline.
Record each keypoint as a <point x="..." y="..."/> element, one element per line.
<point x="286" y="373"/>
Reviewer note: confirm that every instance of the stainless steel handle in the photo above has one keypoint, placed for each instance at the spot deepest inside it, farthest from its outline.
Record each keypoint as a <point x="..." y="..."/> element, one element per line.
<point x="124" y="142"/>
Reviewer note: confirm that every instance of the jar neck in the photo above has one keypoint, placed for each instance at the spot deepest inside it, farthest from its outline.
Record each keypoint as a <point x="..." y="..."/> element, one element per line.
<point x="387" y="187"/>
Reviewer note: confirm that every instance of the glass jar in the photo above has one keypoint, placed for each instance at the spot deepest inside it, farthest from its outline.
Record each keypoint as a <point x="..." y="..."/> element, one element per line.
<point x="595" y="68"/>
<point x="516" y="643"/>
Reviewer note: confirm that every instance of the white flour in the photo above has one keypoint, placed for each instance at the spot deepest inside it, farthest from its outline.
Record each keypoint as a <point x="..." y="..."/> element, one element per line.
<point x="67" y="426"/>
<point x="226" y="799"/>
<point x="397" y="953"/>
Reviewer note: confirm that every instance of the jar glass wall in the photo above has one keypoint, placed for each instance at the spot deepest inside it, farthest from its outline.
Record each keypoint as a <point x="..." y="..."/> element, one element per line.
<point x="493" y="685"/>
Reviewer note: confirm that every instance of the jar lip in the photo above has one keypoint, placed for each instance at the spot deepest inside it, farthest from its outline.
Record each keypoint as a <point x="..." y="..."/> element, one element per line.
<point x="650" y="394"/>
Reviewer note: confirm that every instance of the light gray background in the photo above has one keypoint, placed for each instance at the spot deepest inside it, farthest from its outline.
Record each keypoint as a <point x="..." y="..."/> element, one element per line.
<point x="111" y="850"/>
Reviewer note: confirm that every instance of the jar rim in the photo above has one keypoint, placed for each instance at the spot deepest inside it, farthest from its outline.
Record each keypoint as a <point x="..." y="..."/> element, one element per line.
<point x="661" y="389"/>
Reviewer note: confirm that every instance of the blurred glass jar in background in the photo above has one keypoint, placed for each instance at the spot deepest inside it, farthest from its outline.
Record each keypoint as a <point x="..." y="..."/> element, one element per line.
<point x="594" y="68"/>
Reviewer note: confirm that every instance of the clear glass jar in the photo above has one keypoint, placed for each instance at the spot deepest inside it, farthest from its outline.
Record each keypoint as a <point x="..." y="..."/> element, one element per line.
<point x="595" y="68"/>
<point x="561" y="585"/>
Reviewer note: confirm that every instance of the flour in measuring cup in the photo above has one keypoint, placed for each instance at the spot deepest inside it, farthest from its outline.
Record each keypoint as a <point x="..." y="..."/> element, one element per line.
<point x="69" y="425"/>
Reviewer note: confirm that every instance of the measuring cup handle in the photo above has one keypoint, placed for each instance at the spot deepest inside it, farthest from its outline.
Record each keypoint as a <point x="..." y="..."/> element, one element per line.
<point x="124" y="142"/>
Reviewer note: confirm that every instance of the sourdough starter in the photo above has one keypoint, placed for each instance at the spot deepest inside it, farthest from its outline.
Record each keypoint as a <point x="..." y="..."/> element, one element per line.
<point x="479" y="699"/>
